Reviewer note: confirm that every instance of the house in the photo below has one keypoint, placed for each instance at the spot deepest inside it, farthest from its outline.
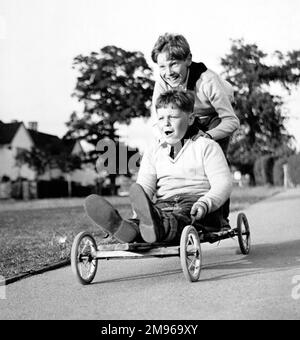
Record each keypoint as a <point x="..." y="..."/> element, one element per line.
<point x="15" y="138"/>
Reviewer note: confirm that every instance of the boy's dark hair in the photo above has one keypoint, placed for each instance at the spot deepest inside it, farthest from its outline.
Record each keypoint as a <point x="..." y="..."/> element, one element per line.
<point x="183" y="100"/>
<point x="175" y="45"/>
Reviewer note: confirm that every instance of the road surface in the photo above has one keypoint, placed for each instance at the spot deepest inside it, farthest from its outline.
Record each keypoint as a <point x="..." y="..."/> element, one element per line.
<point x="262" y="285"/>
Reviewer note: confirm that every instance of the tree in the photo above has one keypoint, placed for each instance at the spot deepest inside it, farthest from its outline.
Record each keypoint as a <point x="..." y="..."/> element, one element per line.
<point x="261" y="113"/>
<point x="115" y="86"/>
<point x="41" y="160"/>
<point x="68" y="163"/>
<point x="36" y="159"/>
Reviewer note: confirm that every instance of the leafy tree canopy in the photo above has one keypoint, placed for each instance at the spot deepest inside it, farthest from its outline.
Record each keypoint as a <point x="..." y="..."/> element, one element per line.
<point x="115" y="86"/>
<point x="261" y="113"/>
<point x="41" y="160"/>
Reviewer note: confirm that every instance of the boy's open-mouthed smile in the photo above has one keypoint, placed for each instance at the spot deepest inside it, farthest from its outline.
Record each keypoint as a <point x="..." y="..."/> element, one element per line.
<point x="173" y="71"/>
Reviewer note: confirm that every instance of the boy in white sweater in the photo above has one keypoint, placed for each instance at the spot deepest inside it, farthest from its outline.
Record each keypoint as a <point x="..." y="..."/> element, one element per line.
<point x="190" y="179"/>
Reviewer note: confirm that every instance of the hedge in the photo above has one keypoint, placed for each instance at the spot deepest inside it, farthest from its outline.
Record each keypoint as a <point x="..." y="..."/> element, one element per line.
<point x="294" y="168"/>
<point x="263" y="170"/>
<point x="278" y="174"/>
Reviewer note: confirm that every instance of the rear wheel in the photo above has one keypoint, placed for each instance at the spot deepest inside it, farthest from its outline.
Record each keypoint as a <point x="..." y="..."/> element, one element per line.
<point x="190" y="254"/>
<point x="83" y="261"/>
<point x="243" y="233"/>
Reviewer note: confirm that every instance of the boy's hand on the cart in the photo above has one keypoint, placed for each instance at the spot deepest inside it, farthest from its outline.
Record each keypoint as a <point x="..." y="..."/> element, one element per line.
<point x="198" y="211"/>
<point x="201" y="134"/>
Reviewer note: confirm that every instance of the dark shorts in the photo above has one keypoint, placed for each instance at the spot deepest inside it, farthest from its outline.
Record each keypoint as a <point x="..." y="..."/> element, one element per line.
<point x="180" y="207"/>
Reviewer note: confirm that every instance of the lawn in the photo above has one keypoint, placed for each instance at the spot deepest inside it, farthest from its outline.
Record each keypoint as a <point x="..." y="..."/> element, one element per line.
<point x="36" y="234"/>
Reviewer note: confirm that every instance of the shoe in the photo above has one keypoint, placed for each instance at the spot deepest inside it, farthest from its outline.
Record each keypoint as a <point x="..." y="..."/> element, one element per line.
<point x="149" y="220"/>
<point x="107" y="217"/>
<point x="226" y="227"/>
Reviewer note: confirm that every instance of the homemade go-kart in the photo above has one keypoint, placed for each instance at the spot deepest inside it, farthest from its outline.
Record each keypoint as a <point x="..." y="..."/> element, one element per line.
<point x="85" y="253"/>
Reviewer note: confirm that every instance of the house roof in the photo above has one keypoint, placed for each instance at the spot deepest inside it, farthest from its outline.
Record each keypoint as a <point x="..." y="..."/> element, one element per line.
<point x="52" y="143"/>
<point x="8" y="131"/>
<point x="68" y="145"/>
<point x="43" y="141"/>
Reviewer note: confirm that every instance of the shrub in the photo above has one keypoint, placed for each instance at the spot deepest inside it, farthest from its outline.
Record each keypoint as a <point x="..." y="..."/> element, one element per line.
<point x="278" y="175"/>
<point x="5" y="179"/>
<point x="294" y="168"/>
<point x="257" y="170"/>
<point x="263" y="170"/>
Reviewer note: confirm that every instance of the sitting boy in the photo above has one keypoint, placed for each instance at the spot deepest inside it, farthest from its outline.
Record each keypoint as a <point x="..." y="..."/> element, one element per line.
<point x="190" y="179"/>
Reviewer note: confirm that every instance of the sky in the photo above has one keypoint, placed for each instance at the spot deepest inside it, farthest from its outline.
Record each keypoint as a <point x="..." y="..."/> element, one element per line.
<point x="40" y="38"/>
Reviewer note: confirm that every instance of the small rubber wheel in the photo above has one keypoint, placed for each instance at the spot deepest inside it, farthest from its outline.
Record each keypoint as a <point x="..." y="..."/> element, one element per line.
<point x="243" y="233"/>
<point x="84" y="264"/>
<point x="190" y="253"/>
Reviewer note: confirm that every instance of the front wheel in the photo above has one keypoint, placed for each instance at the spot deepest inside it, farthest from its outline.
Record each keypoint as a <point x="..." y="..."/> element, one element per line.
<point x="243" y="233"/>
<point x="83" y="261"/>
<point x="190" y="253"/>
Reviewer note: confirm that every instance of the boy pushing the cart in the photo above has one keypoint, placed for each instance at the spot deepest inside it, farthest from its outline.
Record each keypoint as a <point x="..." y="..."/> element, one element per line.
<point x="214" y="96"/>
<point x="189" y="178"/>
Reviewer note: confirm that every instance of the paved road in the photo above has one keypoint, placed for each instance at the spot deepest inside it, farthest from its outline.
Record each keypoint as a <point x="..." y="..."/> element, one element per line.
<point x="262" y="285"/>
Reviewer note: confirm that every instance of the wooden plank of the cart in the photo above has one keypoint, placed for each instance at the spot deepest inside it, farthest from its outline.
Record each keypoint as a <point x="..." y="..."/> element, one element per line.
<point x="136" y="250"/>
<point x="85" y="253"/>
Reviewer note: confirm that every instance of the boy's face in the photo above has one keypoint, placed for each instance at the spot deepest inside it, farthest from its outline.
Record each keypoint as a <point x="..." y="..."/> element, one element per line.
<point x="173" y="71"/>
<point x="173" y="123"/>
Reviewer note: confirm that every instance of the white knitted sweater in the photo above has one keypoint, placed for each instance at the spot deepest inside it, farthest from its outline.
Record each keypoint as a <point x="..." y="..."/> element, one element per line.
<point x="200" y="169"/>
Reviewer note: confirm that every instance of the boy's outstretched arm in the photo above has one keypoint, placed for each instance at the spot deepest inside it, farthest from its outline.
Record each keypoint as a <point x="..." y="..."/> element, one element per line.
<point x="218" y="97"/>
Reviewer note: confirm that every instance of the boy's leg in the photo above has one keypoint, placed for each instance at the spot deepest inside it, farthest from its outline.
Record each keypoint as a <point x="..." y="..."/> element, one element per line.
<point x="162" y="221"/>
<point x="213" y="221"/>
<point x="180" y="215"/>
<point x="226" y="212"/>
<point x="150" y="226"/>
<point x="108" y="219"/>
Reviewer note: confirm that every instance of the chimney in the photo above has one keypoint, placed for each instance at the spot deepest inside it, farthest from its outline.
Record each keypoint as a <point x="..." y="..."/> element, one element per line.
<point x="33" y="126"/>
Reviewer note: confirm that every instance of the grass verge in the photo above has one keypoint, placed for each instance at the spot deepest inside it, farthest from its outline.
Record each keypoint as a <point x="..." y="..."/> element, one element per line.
<point x="36" y="237"/>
